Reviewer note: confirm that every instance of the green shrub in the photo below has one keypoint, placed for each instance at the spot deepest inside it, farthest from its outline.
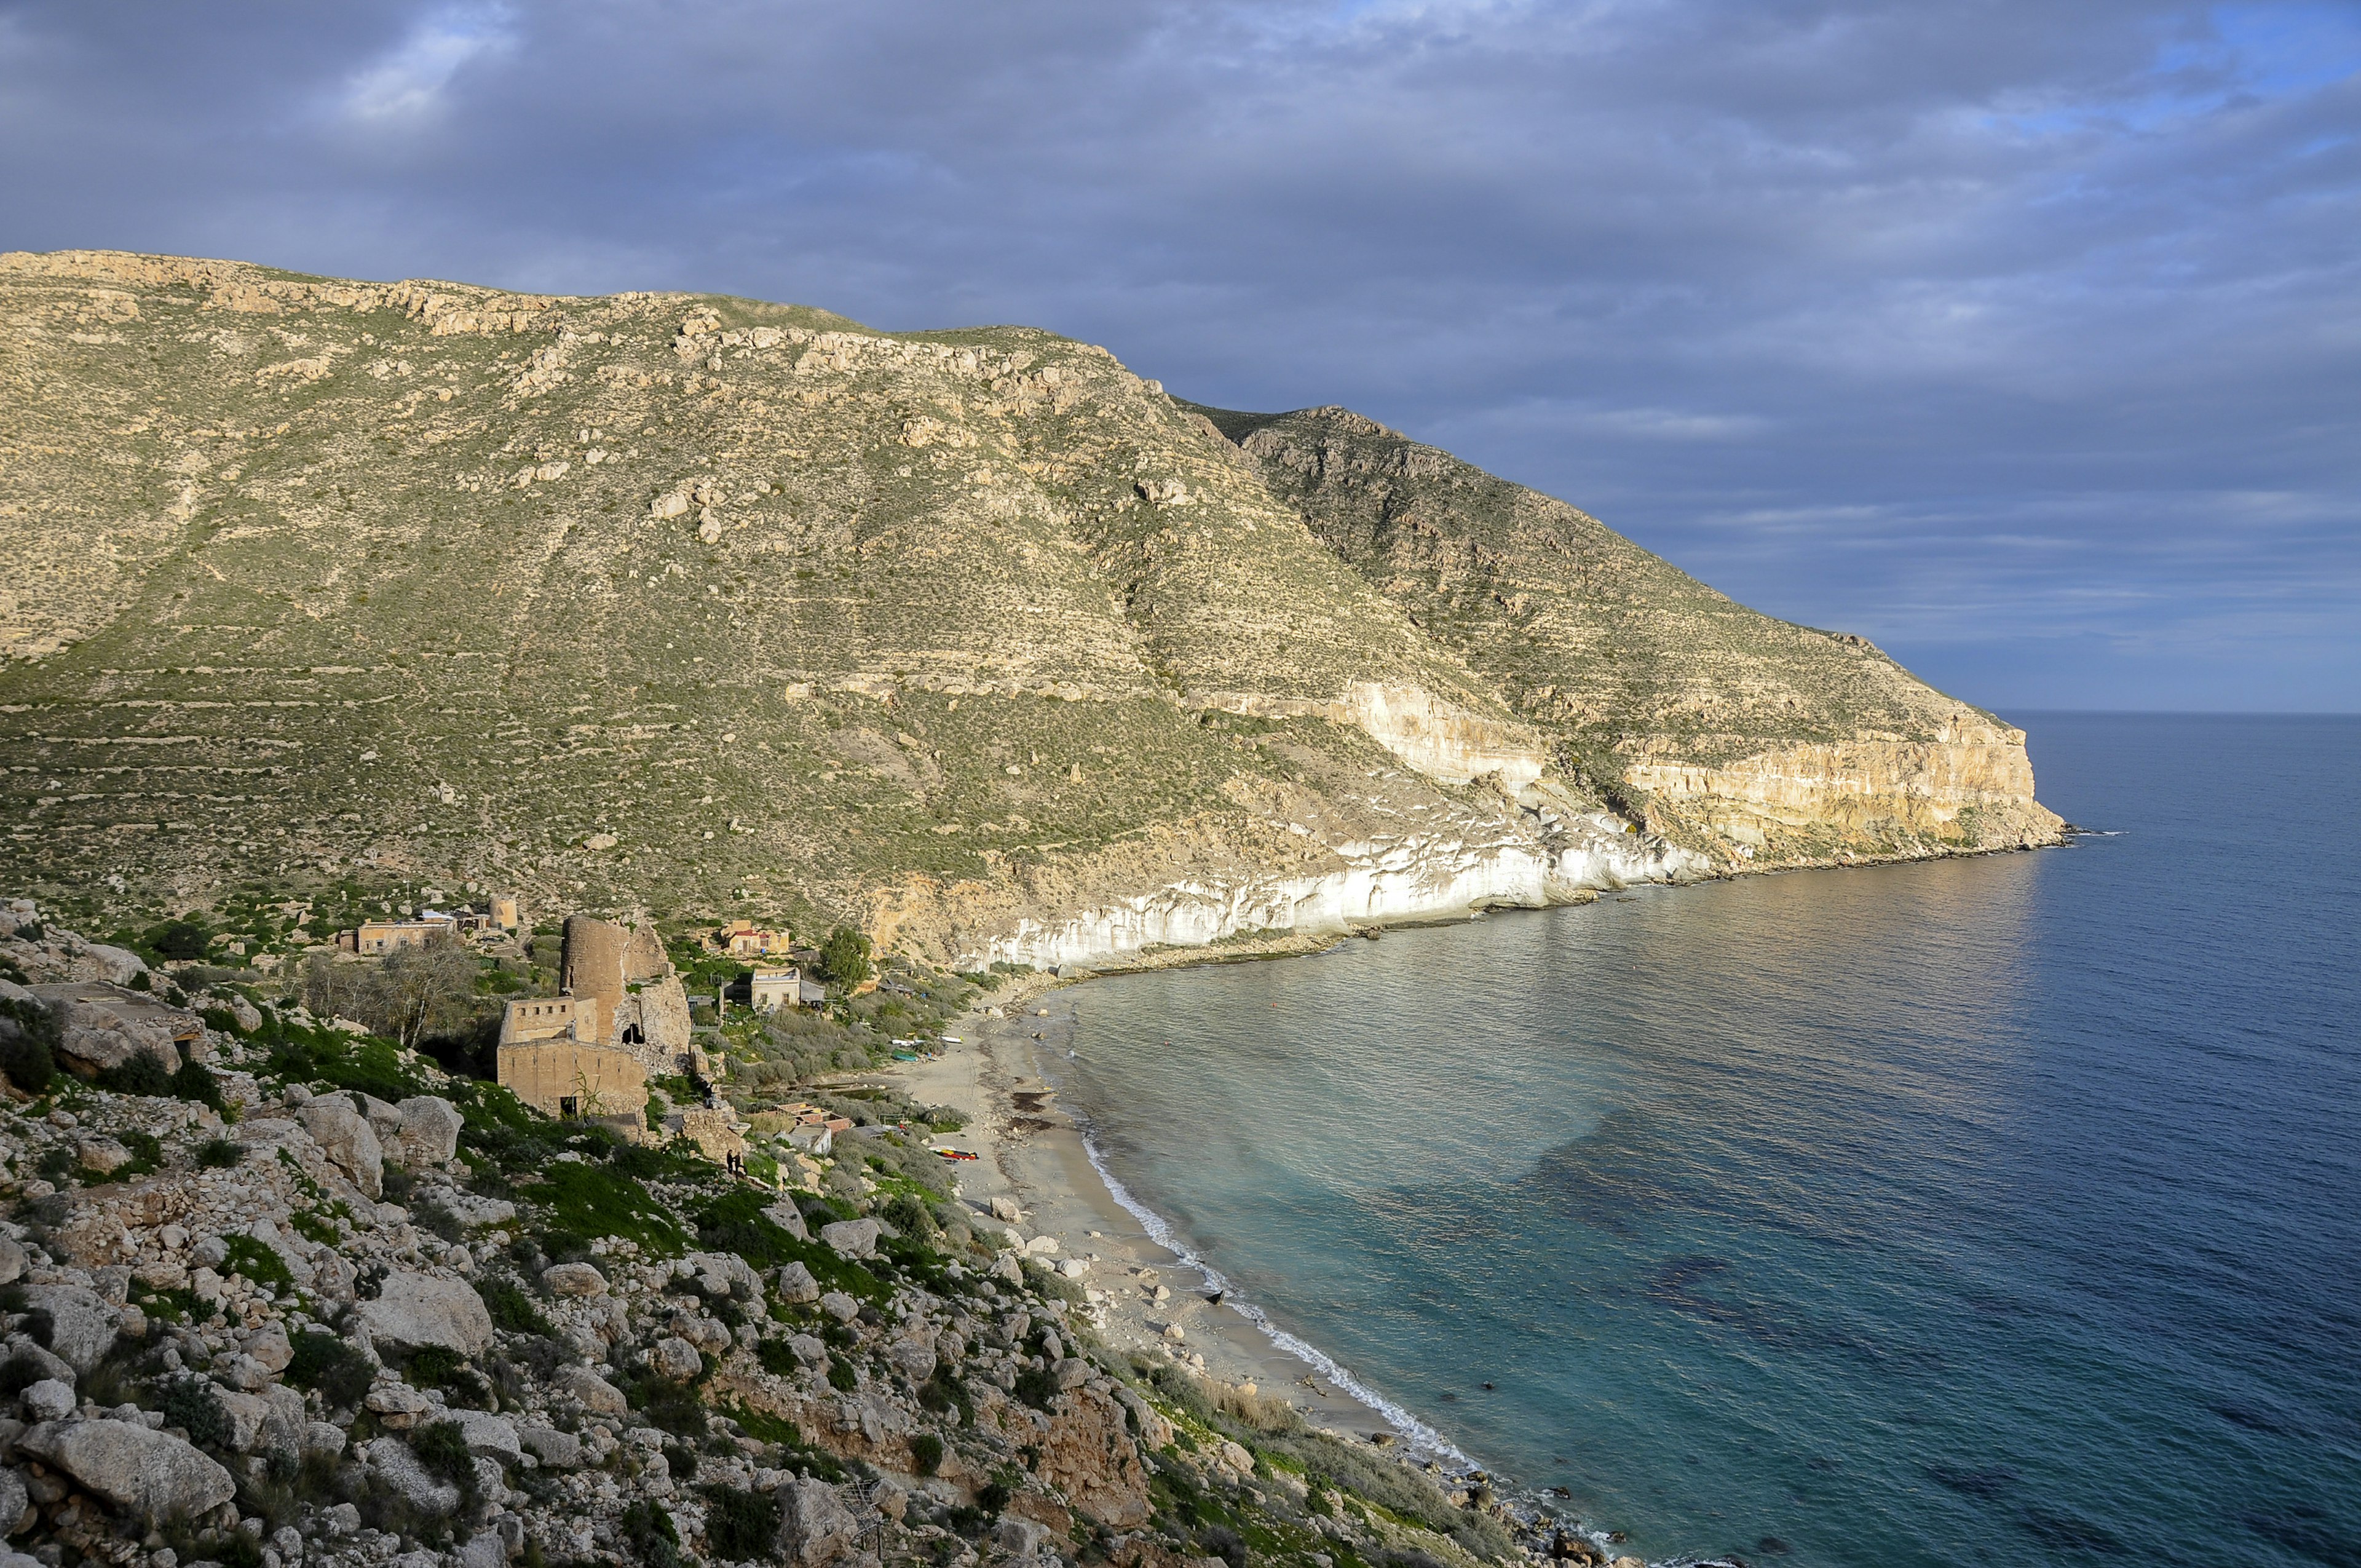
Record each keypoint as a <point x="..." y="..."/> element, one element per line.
<point x="219" y="1154"/>
<point x="925" y="1454"/>
<point x="442" y="1451"/>
<point x="195" y="1082"/>
<point x="648" y="1531"/>
<point x="257" y="1263"/>
<point x="910" y="1216"/>
<point x="1037" y="1386"/>
<point x="190" y="1404"/>
<point x="28" y="1040"/>
<point x="180" y="941"/>
<point x="778" y="1359"/>
<point x="841" y="1376"/>
<point x="338" y="1371"/>
<point x="512" y="1310"/>
<point x="138" y="1073"/>
<point x="741" y="1526"/>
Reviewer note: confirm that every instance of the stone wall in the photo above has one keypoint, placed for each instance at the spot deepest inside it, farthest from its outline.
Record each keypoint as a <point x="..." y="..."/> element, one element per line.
<point x="600" y="1082"/>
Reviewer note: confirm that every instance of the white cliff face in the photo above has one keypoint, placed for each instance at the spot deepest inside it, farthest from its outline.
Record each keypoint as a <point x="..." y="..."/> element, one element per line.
<point x="1543" y="856"/>
<point x="1429" y="735"/>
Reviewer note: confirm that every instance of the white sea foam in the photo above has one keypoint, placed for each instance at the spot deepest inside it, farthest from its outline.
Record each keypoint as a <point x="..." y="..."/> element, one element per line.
<point x="1422" y="1440"/>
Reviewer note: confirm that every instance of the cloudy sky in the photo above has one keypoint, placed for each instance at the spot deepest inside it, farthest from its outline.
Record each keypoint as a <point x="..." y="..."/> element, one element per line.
<point x="2024" y="337"/>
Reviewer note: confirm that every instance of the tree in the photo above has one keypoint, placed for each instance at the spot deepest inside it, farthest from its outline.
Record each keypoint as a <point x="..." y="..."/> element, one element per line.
<point x="844" y="957"/>
<point x="423" y="991"/>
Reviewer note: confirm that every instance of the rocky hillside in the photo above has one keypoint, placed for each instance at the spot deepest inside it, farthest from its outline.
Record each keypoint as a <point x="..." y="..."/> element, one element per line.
<point x="278" y="1295"/>
<point x="709" y="606"/>
<point x="1708" y="720"/>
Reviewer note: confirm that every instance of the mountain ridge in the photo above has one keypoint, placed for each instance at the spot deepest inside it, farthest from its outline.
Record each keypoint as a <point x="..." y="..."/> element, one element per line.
<point x="711" y="606"/>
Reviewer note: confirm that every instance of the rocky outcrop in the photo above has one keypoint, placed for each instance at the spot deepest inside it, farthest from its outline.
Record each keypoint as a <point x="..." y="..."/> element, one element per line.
<point x="102" y="1026"/>
<point x="414" y="1311"/>
<point x="152" y="1475"/>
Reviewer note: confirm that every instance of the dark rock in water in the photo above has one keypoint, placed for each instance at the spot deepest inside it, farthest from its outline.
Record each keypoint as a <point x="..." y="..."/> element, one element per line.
<point x="2306" y="1530"/>
<point x="1973" y="1483"/>
<point x="2068" y="1532"/>
<point x="1772" y="1546"/>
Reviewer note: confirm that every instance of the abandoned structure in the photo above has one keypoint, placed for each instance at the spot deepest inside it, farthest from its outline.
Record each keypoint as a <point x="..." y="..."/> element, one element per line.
<point x="549" y="1056"/>
<point x="775" y="987"/>
<point x="637" y="1002"/>
<point x="375" y="938"/>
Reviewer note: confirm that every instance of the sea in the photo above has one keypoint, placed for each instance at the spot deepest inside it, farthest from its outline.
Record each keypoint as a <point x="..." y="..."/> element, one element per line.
<point x="2003" y="1207"/>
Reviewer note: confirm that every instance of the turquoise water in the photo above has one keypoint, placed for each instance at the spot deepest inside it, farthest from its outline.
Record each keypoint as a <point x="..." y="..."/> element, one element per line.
<point x="1923" y="1215"/>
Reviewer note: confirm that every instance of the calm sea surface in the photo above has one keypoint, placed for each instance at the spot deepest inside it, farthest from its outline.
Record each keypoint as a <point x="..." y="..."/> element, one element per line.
<point x="2006" y="1207"/>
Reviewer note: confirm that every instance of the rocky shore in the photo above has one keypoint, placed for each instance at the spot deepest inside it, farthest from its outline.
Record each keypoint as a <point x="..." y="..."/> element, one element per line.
<point x="278" y="1295"/>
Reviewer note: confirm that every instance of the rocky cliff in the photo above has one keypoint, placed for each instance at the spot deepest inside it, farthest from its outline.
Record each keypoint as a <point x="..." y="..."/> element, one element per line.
<point x="705" y="606"/>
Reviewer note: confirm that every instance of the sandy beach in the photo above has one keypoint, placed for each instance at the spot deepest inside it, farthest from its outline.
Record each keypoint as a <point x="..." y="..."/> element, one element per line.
<point x="1030" y="1151"/>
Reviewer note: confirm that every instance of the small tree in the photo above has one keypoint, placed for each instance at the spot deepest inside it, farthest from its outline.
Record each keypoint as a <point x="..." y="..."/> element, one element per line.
<point x="422" y="990"/>
<point x="844" y="957"/>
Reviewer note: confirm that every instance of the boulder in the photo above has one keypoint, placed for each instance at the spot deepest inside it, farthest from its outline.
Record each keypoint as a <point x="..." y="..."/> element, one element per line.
<point x="414" y="1310"/>
<point x="152" y="1474"/>
<point x="15" y="1504"/>
<point x="1018" y="1538"/>
<point x="326" y="1439"/>
<point x="839" y="1306"/>
<point x="795" y="1283"/>
<point x="675" y="1358"/>
<point x="808" y="1350"/>
<point x="1072" y="1373"/>
<point x="392" y="1465"/>
<point x="815" y="1526"/>
<point x="269" y="1346"/>
<point x="34" y="1363"/>
<point x="398" y="1405"/>
<point x="102" y="1026"/>
<point x="488" y="1436"/>
<point x="343" y="1135"/>
<point x="12" y="1261"/>
<point x="788" y="1218"/>
<point x="557" y="1450"/>
<point x="430" y="1132"/>
<point x="384" y="1120"/>
<point x="913" y="1356"/>
<point x="102" y="1154"/>
<point x="81" y="1324"/>
<point x="593" y="1392"/>
<point x="725" y="1273"/>
<point x="574" y="1279"/>
<point x="117" y="966"/>
<point x="49" y="1400"/>
<point x="852" y="1238"/>
<point x="1005" y="1209"/>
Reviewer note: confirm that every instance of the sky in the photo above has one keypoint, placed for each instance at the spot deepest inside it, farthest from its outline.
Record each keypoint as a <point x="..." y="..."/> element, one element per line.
<point x="2023" y="338"/>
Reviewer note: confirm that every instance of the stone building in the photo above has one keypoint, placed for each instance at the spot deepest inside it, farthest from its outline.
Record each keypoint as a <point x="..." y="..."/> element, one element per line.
<point x="550" y="1059"/>
<point x="378" y="937"/>
<point x="640" y="1004"/>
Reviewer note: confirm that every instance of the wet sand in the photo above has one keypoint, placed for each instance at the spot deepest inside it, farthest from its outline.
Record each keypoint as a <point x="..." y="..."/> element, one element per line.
<point x="1031" y="1150"/>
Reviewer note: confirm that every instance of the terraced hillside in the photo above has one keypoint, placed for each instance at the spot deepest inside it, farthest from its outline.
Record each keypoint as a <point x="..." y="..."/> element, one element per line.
<point x="1713" y="721"/>
<point x="709" y="606"/>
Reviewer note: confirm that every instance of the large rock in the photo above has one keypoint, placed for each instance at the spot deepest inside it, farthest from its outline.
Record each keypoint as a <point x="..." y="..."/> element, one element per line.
<point x="414" y="1310"/>
<point x="81" y="1324"/>
<point x="913" y="1356"/>
<point x="815" y="1526"/>
<point x="852" y="1238"/>
<point x="102" y="1026"/>
<point x="153" y="1476"/>
<point x="116" y="966"/>
<point x="344" y="1136"/>
<point x="725" y="1273"/>
<point x="15" y="1503"/>
<point x="392" y="1465"/>
<point x="593" y="1392"/>
<point x="788" y="1218"/>
<point x="574" y="1279"/>
<point x="488" y="1436"/>
<point x="796" y="1283"/>
<point x="557" y="1450"/>
<point x="269" y="1346"/>
<point x="49" y="1400"/>
<point x="839" y="1306"/>
<point x="430" y="1132"/>
<point x="273" y="1418"/>
<point x="675" y="1358"/>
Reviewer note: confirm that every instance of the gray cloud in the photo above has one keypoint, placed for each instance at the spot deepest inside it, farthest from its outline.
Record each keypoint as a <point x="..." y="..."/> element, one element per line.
<point x="2023" y="338"/>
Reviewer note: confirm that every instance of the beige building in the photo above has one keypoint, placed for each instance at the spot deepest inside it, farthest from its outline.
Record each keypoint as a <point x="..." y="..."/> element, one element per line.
<point x="549" y="1058"/>
<point x="641" y="1007"/>
<point x="775" y="987"/>
<point x="378" y="937"/>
